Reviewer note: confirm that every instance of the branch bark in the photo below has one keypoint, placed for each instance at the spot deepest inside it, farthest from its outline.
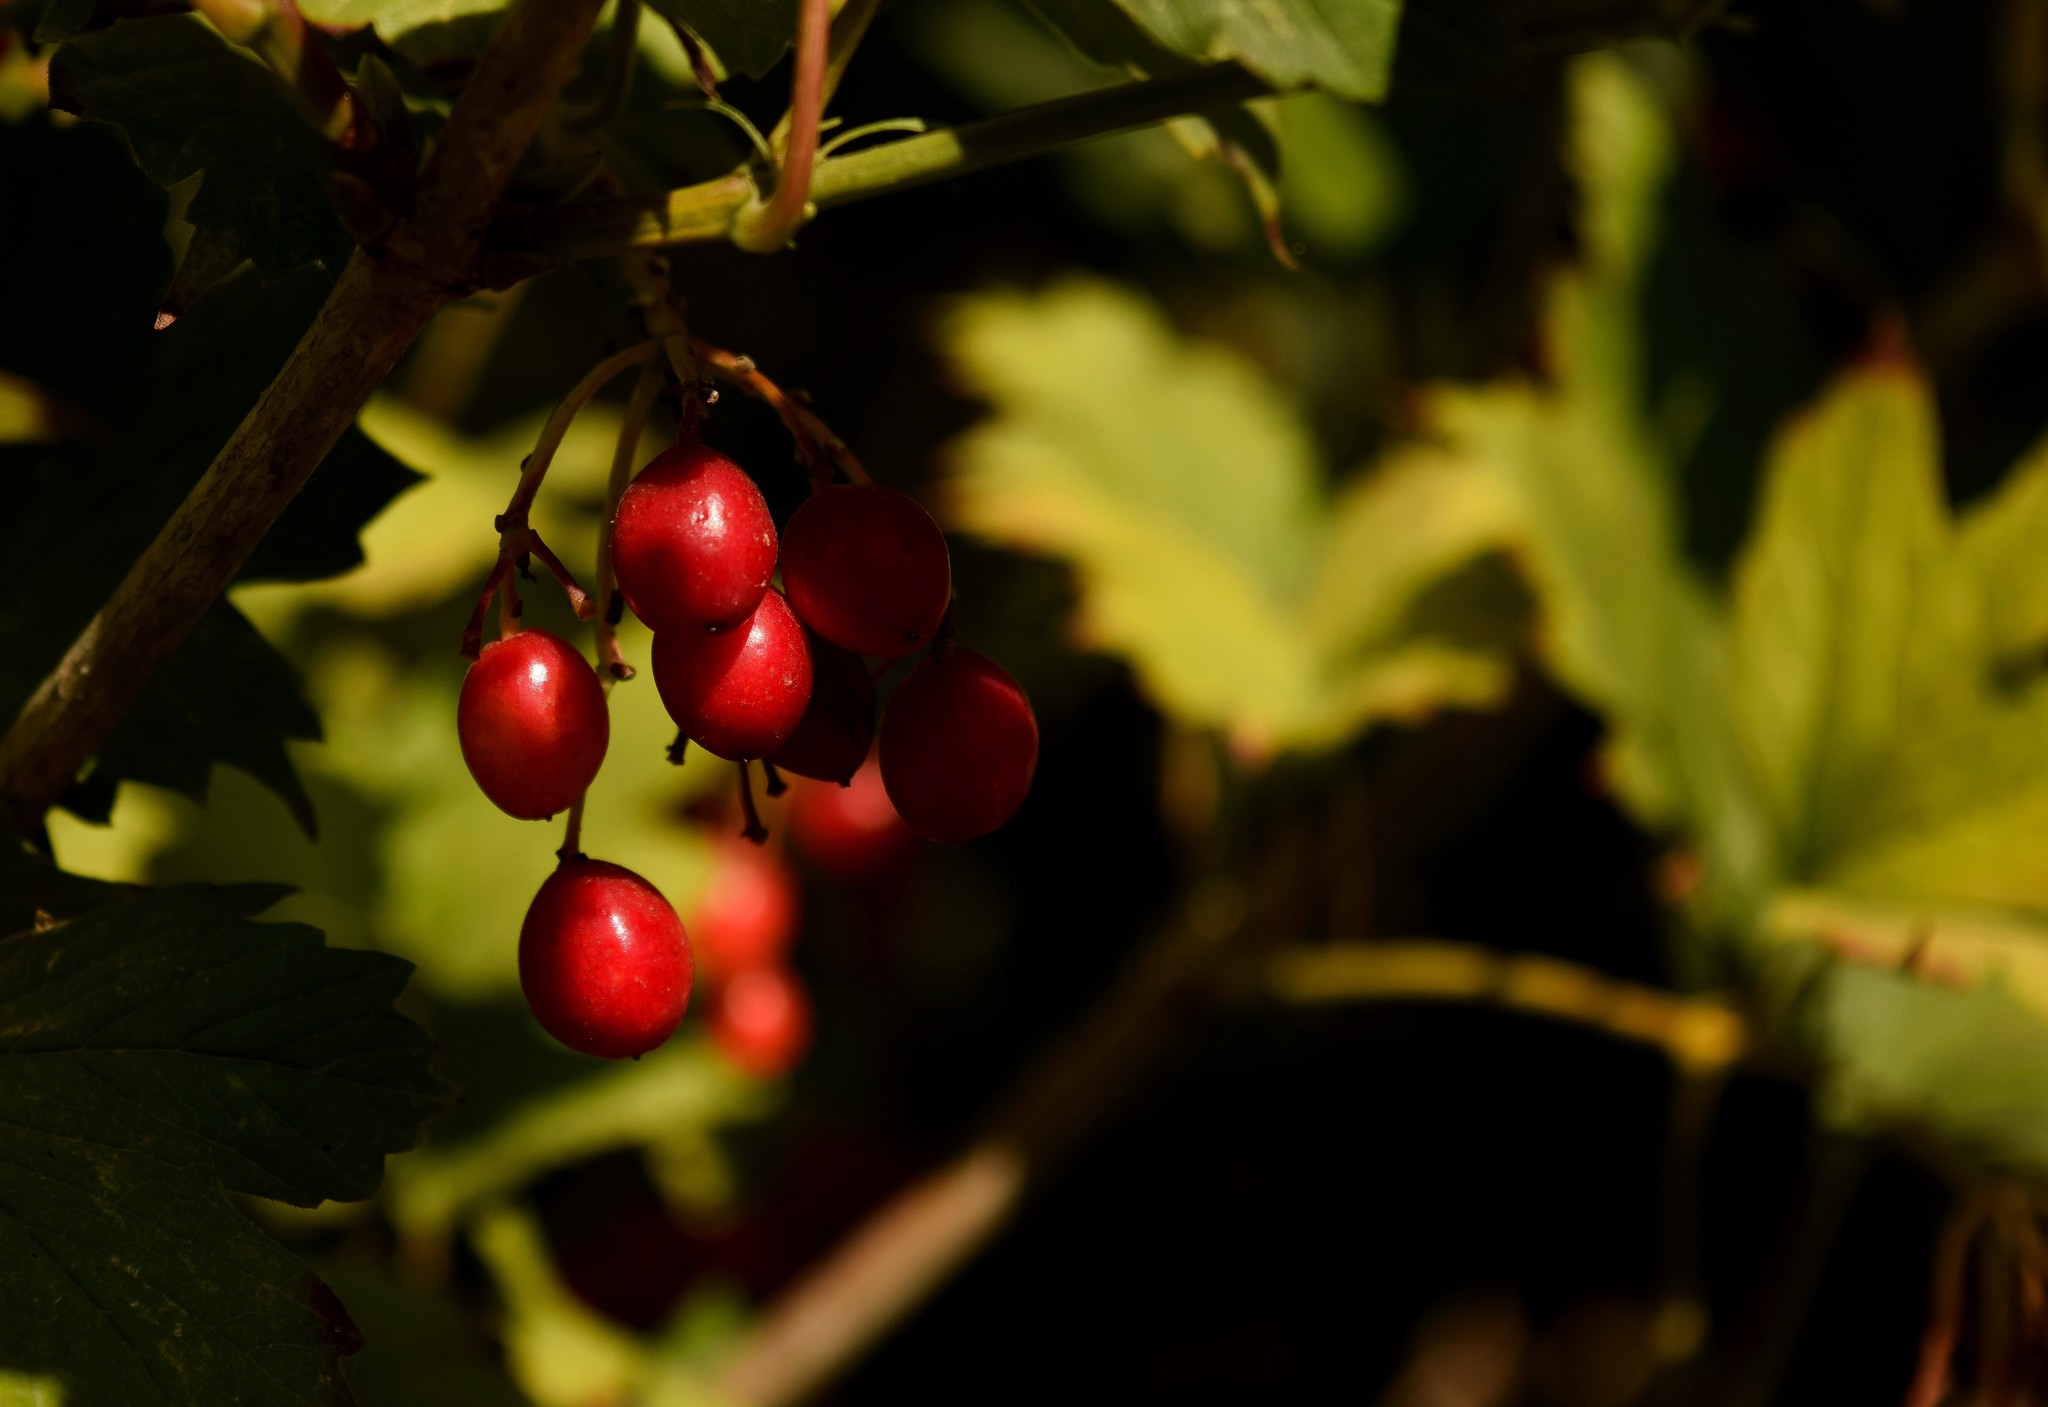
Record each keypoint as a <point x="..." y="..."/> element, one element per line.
<point x="377" y="307"/>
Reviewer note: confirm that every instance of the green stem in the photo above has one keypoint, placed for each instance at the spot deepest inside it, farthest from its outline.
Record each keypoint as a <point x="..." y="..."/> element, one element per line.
<point x="705" y="212"/>
<point x="620" y="62"/>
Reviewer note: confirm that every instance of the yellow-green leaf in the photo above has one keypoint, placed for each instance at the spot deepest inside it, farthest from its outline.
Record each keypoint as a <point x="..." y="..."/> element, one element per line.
<point x="1184" y="492"/>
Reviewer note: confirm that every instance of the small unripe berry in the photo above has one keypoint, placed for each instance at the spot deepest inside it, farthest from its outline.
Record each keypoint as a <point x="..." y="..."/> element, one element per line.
<point x="532" y="723"/>
<point x="866" y="567"/>
<point x="851" y="832"/>
<point x="762" y="1021"/>
<point x="838" y="727"/>
<point x="693" y="543"/>
<point x="959" y="746"/>
<point x="603" y="960"/>
<point x="749" y="910"/>
<point x="741" y="693"/>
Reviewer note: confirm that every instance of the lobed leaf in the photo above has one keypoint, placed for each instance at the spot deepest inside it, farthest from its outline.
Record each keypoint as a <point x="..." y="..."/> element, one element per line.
<point x="158" y="1053"/>
<point x="191" y="104"/>
<point x="1185" y="494"/>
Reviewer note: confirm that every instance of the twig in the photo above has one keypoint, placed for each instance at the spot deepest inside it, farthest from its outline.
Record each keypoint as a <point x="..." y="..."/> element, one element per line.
<point x="705" y="211"/>
<point x="611" y="664"/>
<point x="516" y="536"/>
<point x="1700" y="1035"/>
<point x="376" y="308"/>
<point x="817" y="447"/>
<point x="762" y="227"/>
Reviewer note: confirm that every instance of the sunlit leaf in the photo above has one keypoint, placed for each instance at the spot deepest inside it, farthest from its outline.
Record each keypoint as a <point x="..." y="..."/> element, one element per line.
<point x="1185" y="494"/>
<point x="1969" y="1067"/>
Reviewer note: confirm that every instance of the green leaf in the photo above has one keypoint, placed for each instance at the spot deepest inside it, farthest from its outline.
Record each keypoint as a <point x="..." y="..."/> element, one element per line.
<point x="392" y="18"/>
<point x="1628" y="626"/>
<point x="1345" y="46"/>
<point x="157" y="1055"/>
<point x="189" y="102"/>
<point x="1185" y="494"/>
<point x="1853" y="633"/>
<point x="1969" y="1067"/>
<point x="745" y="36"/>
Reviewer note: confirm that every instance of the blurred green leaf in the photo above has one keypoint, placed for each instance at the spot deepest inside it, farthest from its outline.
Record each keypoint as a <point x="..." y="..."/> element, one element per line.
<point x="160" y="1052"/>
<point x="392" y="18"/>
<point x="682" y="1090"/>
<point x="189" y="102"/>
<point x="1628" y="626"/>
<point x="1185" y="494"/>
<point x="1345" y="46"/>
<point x="1970" y="1067"/>
<point x="418" y="1350"/>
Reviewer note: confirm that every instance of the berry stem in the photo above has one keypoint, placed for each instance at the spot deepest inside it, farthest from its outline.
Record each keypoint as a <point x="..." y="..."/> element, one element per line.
<point x="572" y="833"/>
<point x="817" y="447"/>
<point x="753" y="829"/>
<point x="763" y="227"/>
<point x="679" y="749"/>
<point x="610" y="662"/>
<point x="579" y="599"/>
<point x="516" y="537"/>
<point x="557" y="428"/>
<point x="776" y="786"/>
<point x="509" y="608"/>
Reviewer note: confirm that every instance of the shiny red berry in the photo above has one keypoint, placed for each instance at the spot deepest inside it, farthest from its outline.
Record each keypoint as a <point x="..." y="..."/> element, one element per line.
<point x="838" y="726"/>
<point x="959" y="745"/>
<point x="762" y="1021"/>
<point x="851" y="832"/>
<point x="740" y="693"/>
<point x="693" y="544"/>
<point x="749" y="910"/>
<point x="866" y="567"/>
<point x="532" y="723"/>
<point x="603" y="960"/>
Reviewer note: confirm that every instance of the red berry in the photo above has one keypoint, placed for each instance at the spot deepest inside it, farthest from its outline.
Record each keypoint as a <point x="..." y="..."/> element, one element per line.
<point x="532" y="723"/>
<point x="693" y="544"/>
<point x="740" y="693"/>
<point x="603" y="960"/>
<point x="959" y="745"/>
<point x="762" y="1021"/>
<point x="838" y="727"/>
<point x="866" y="568"/>
<point x="749" y="910"/>
<point x="851" y="832"/>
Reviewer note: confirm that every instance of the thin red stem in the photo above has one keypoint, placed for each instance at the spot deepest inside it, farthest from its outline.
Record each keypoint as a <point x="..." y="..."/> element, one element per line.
<point x="766" y="227"/>
<point x="817" y="447"/>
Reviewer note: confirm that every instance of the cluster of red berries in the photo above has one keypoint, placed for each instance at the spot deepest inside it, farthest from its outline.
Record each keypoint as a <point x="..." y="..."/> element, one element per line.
<point x="747" y="673"/>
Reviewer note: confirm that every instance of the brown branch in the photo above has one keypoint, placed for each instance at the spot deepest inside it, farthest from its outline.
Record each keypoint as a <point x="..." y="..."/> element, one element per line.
<point x="376" y="308"/>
